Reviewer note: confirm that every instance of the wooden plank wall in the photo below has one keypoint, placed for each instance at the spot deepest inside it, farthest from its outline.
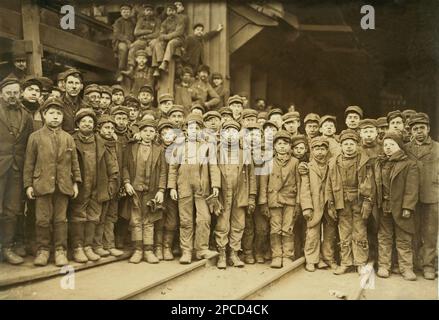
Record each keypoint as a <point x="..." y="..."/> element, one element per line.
<point x="216" y="51"/>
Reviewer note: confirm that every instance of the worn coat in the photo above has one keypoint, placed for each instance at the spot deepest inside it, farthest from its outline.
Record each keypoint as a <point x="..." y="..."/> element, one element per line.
<point x="194" y="49"/>
<point x="334" y="185"/>
<point x="47" y="167"/>
<point x="107" y="170"/>
<point x="180" y="174"/>
<point x="13" y="148"/>
<point x="312" y="192"/>
<point x="277" y="191"/>
<point x="157" y="179"/>
<point x="428" y="163"/>
<point x="246" y="181"/>
<point x="70" y="108"/>
<point x="404" y="190"/>
<point x="123" y="30"/>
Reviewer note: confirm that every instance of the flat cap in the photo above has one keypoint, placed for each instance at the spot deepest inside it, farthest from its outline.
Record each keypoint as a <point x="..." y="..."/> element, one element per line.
<point x="131" y="100"/>
<point x="274" y="111"/>
<point x="164" y="123"/>
<point x="312" y="117"/>
<point x="349" y="134"/>
<point x="262" y="115"/>
<point x="211" y="114"/>
<point x="297" y="139"/>
<point x="165" y="97"/>
<point x="46" y="83"/>
<point x="225" y="110"/>
<point x="72" y="72"/>
<point x="290" y="116"/>
<point x="117" y="87"/>
<point x="217" y="75"/>
<point x="282" y="134"/>
<point x="9" y="80"/>
<point x="176" y="108"/>
<point x="368" y="123"/>
<point x="252" y="126"/>
<point x="270" y="123"/>
<point x="105" y="118"/>
<point x="146" y="88"/>
<point x="395" y="136"/>
<point x="395" y="114"/>
<point x="147" y="5"/>
<point x="319" y="141"/>
<point x="231" y="124"/>
<point x="382" y="122"/>
<point x="92" y="88"/>
<point x="327" y="118"/>
<point x="84" y="112"/>
<point x="419" y="117"/>
<point x="249" y="113"/>
<point x="52" y="102"/>
<point x="146" y="123"/>
<point x="408" y="112"/>
<point x="204" y="68"/>
<point x="234" y="99"/>
<point x="197" y="105"/>
<point x="30" y="81"/>
<point x="141" y="53"/>
<point x="106" y="89"/>
<point x="194" y="118"/>
<point x="354" y="109"/>
<point x="120" y="110"/>
<point x="125" y="5"/>
<point x="189" y="70"/>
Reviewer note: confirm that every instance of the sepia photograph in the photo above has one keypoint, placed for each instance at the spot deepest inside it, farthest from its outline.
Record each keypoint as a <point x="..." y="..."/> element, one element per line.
<point x="237" y="152"/>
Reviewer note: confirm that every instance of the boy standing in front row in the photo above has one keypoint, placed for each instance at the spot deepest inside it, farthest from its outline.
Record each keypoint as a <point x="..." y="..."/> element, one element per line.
<point x="51" y="176"/>
<point x="144" y="177"/>
<point x="279" y="193"/>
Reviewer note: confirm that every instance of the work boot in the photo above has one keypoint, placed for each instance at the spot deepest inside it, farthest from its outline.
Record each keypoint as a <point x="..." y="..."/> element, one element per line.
<point x="333" y="265"/>
<point x="383" y="272"/>
<point x="322" y="265"/>
<point x="310" y="267"/>
<point x="137" y="256"/>
<point x="429" y="273"/>
<point x="186" y="257"/>
<point x="20" y="249"/>
<point x="11" y="257"/>
<point x="276" y="262"/>
<point x="149" y="257"/>
<point x="234" y="259"/>
<point x="168" y="239"/>
<point x="259" y="258"/>
<point x="221" y="263"/>
<point x="91" y="255"/>
<point x="60" y="257"/>
<point x="158" y="252"/>
<point x="409" y="275"/>
<point x="249" y="258"/>
<point x="42" y="258"/>
<point x="167" y="254"/>
<point x="205" y="254"/>
<point x="115" y="252"/>
<point x="341" y="270"/>
<point x="101" y="252"/>
<point x="79" y="255"/>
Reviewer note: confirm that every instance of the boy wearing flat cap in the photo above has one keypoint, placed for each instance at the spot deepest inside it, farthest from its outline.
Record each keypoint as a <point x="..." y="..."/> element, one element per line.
<point x="328" y="129"/>
<point x="353" y="116"/>
<point x="99" y="170"/>
<point x="397" y="181"/>
<point x="223" y="92"/>
<point x="425" y="151"/>
<point x="238" y="193"/>
<point x="350" y="194"/>
<point x="312" y="201"/>
<point x="144" y="178"/>
<point x="123" y="36"/>
<point x="142" y="74"/>
<point x="206" y="95"/>
<point x="279" y="195"/>
<point x="249" y="116"/>
<point x="184" y="93"/>
<point x="51" y="176"/>
<point x="396" y="121"/>
<point x="193" y="176"/>
<point x="311" y="122"/>
<point x="291" y="122"/>
<point x="236" y="105"/>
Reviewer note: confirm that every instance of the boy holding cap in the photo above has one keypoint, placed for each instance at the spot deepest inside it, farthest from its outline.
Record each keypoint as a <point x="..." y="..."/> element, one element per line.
<point x="312" y="201"/>
<point x="279" y="195"/>
<point x="425" y="151"/>
<point x="397" y="181"/>
<point x="51" y="176"/>
<point x="350" y="194"/>
<point x="99" y="170"/>
<point x="144" y="178"/>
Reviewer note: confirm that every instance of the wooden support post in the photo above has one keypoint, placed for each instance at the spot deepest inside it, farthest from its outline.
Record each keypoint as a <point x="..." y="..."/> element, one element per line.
<point x="30" y="13"/>
<point x="166" y="81"/>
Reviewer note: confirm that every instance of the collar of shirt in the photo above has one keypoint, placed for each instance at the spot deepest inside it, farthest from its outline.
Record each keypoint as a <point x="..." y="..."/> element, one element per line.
<point x="146" y="143"/>
<point x="282" y="159"/>
<point x="425" y="142"/>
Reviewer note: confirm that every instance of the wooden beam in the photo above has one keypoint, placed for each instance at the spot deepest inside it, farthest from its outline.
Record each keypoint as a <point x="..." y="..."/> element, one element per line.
<point x="30" y="16"/>
<point x="10" y="24"/>
<point x="243" y="36"/>
<point x="325" y="28"/>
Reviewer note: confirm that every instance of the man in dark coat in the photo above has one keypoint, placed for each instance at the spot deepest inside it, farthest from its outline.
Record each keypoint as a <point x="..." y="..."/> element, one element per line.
<point x="71" y="99"/>
<point x="15" y="128"/>
<point x="425" y="152"/>
<point x="397" y="181"/>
